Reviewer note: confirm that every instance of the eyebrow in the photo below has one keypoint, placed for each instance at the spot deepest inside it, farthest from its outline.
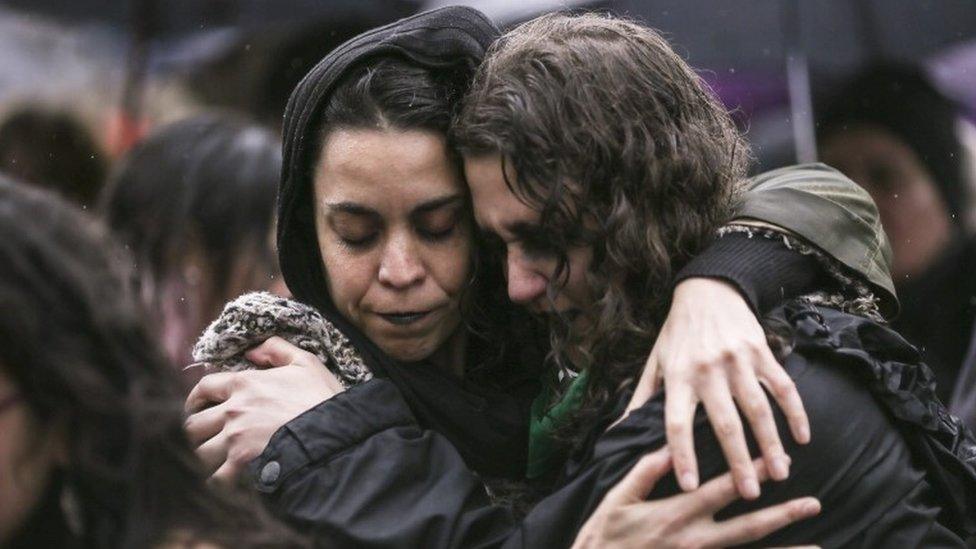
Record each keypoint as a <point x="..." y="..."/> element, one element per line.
<point x="523" y="230"/>
<point x="351" y="208"/>
<point x="436" y="204"/>
<point x="355" y="208"/>
<point x="519" y="230"/>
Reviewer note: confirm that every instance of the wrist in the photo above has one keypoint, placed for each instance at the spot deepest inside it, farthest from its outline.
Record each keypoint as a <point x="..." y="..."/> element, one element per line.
<point x="699" y="286"/>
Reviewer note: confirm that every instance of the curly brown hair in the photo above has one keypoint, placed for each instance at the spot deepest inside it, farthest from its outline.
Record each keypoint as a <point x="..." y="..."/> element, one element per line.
<point x="621" y="147"/>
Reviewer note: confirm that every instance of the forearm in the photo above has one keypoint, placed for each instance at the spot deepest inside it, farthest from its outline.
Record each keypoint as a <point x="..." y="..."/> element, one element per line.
<point x="764" y="270"/>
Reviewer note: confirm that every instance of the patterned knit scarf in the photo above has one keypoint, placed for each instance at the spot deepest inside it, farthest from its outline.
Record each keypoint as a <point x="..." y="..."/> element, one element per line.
<point x="252" y="318"/>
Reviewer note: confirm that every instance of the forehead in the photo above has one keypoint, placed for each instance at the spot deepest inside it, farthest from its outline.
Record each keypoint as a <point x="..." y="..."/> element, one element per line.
<point x="496" y="207"/>
<point x="373" y="166"/>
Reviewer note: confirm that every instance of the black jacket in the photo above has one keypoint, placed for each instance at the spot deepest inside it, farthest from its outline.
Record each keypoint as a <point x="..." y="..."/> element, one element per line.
<point x="889" y="465"/>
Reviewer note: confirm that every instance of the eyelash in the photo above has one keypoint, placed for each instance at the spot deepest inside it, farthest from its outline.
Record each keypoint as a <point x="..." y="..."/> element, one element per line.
<point x="358" y="244"/>
<point x="438" y="235"/>
<point x="363" y="243"/>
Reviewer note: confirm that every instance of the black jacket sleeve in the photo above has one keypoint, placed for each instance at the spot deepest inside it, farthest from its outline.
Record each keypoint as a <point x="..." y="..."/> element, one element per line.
<point x="357" y="471"/>
<point x="764" y="270"/>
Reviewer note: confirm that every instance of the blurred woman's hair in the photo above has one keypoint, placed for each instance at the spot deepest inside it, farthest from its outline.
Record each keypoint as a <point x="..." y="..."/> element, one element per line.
<point x="622" y="148"/>
<point x="194" y="205"/>
<point x="74" y="342"/>
<point x="54" y="150"/>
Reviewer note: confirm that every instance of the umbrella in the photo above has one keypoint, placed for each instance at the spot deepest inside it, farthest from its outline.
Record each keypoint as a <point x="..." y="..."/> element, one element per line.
<point x="765" y="53"/>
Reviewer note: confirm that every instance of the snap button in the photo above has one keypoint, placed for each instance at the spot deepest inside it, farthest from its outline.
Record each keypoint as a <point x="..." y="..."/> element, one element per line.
<point x="270" y="472"/>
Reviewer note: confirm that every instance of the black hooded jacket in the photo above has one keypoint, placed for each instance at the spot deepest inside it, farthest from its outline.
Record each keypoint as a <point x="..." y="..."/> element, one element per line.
<point x="396" y="461"/>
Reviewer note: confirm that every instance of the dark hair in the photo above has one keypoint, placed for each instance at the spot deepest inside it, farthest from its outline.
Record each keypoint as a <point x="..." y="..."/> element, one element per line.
<point x="621" y="147"/>
<point x="205" y="185"/>
<point x="394" y="94"/>
<point x="72" y="338"/>
<point x="53" y="150"/>
<point x="903" y="100"/>
<point x="391" y="94"/>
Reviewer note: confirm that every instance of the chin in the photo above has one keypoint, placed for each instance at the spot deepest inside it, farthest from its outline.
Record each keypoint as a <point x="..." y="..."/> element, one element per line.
<point x="408" y="351"/>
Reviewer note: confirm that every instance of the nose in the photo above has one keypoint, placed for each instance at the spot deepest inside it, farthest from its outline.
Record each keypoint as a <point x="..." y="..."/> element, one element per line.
<point x="401" y="267"/>
<point x="525" y="284"/>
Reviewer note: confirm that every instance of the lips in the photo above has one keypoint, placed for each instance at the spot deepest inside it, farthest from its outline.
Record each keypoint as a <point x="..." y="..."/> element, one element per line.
<point x="404" y="318"/>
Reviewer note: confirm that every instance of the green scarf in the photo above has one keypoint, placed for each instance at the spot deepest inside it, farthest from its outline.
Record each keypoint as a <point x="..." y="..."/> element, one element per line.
<point x="545" y="453"/>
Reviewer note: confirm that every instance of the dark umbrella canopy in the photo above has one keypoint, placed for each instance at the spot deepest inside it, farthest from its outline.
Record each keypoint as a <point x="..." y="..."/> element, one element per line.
<point x="836" y="35"/>
<point x="177" y="18"/>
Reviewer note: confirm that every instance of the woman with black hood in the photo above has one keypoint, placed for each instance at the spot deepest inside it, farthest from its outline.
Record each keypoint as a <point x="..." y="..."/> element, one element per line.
<point x="484" y="415"/>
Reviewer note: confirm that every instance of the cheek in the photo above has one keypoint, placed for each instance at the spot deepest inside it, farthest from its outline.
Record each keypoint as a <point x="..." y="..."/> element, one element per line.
<point x="579" y="264"/>
<point x="348" y="276"/>
<point x="23" y="474"/>
<point x="450" y="265"/>
<point x="911" y="205"/>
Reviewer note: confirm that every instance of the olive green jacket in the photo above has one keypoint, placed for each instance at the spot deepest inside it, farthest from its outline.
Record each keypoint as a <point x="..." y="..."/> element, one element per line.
<point x="828" y="210"/>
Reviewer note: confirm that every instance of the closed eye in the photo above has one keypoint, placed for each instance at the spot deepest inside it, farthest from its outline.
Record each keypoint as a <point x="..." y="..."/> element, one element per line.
<point x="438" y="219"/>
<point x="356" y="227"/>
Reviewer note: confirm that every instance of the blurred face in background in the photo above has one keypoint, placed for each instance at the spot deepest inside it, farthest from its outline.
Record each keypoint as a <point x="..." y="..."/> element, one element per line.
<point x="26" y="459"/>
<point x="912" y="209"/>
<point x="192" y="297"/>
<point x="394" y="234"/>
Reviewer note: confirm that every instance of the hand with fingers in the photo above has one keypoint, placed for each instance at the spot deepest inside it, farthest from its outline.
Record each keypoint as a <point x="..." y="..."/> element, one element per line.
<point x="624" y="518"/>
<point x="712" y="350"/>
<point x="232" y="415"/>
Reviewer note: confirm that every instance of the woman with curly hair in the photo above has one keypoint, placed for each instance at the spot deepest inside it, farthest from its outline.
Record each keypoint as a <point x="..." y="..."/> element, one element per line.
<point x="93" y="452"/>
<point x="601" y="165"/>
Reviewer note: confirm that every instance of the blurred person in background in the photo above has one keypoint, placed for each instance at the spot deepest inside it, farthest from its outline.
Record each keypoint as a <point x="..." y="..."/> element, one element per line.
<point x="54" y="150"/>
<point x="194" y="204"/>
<point x="891" y="131"/>
<point x="92" y="450"/>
